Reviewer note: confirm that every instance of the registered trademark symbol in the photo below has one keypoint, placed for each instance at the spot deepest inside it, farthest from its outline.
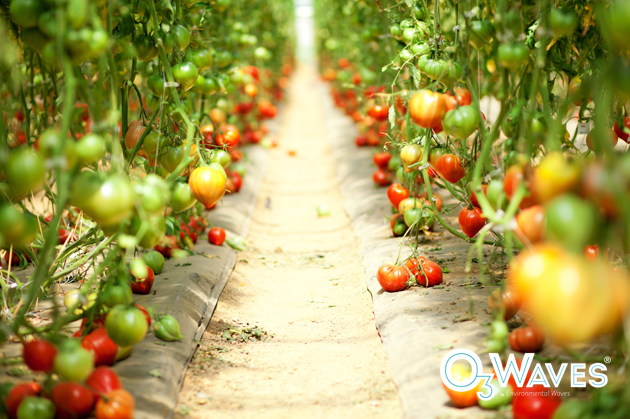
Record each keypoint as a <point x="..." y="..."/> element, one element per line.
<point x="607" y="360"/>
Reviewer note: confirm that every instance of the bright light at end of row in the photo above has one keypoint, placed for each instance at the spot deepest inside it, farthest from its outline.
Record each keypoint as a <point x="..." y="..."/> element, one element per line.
<point x="304" y="11"/>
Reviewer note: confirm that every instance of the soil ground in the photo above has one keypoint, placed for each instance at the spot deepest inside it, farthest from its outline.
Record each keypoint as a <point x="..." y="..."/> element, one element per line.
<point x="300" y="282"/>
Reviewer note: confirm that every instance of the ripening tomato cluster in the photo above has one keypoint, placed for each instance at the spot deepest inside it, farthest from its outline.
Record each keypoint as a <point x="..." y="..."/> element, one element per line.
<point x="80" y="384"/>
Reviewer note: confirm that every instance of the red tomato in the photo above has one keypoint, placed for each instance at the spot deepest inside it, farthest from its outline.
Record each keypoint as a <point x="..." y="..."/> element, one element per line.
<point x="620" y="132"/>
<point x="392" y="278"/>
<point x="527" y="339"/>
<point x="19" y="393"/>
<point x="216" y="236"/>
<point x="430" y="274"/>
<point x="427" y="108"/>
<point x="533" y="404"/>
<point x="184" y="231"/>
<point x="39" y="355"/>
<point x="72" y="401"/>
<point x="166" y="246"/>
<point x="343" y="63"/>
<point x="66" y="235"/>
<point x="360" y="141"/>
<point x="118" y="404"/>
<point x="356" y="79"/>
<point x="237" y="181"/>
<point x="144" y="311"/>
<point x="396" y="193"/>
<point x="507" y="300"/>
<point x="438" y="128"/>
<point x="471" y="221"/>
<point x="144" y="285"/>
<point x="382" y="177"/>
<point x="591" y="252"/>
<point x="236" y="155"/>
<point x="513" y="178"/>
<point x="101" y="345"/>
<point x="450" y="168"/>
<point x="378" y="112"/>
<point x="473" y="197"/>
<point x="230" y="137"/>
<point x="103" y="380"/>
<point x="381" y="159"/>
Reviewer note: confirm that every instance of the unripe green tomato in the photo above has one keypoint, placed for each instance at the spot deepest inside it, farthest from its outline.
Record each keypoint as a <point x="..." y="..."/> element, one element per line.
<point x="73" y="362"/>
<point x="408" y="34"/>
<point x="502" y="396"/>
<point x="499" y="330"/>
<point x="36" y="408"/>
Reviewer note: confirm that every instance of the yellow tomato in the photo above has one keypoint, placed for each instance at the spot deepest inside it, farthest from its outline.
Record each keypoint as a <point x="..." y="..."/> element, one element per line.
<point x="554" y="176"/>
<point x="409" y="155"/>
<point x="409" y="203"/>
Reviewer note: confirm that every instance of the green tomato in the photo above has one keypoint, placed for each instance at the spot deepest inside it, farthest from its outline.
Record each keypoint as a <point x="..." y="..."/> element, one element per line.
<point x="202" y="58"/>
<point x="47" y="24"/>
<point x="115" y="295"/>
<point x="405" y="55"/>
<point x="107" y="200"/>
<point x="126" y="325"/>
<point x="154" y="260"/>
<point x="499" y="330"/>
<point x="495" y="194"/>
<point x="570" y="221"/>
<point x="513" y="55"/>
<point x="205" y="85"/>
<point x="481" y="33"/>
<point x="408" y="35"/>
<point x="90" y="149"/>
<point x="223" y="59"/>
<point x="412" y="216"/>
<point x="181" y="197"/>
<point x="16" y="228"/>
<point x="400" y="173"/>
<point x="394" y="163"/>
<point x="181" y="36"/>
<point x="461" y="122"/>
<point x="222" y="157"/>
<point x="186" y="75"/>
<point x="500" y="398"/>
<point x="24" y="172"/>
<point x="171" y="157"/>
<point x="73" y="362"/>
<point x="26" y="12"/>
<point x="167" y="328"/>
<point x="563" y="22"/>
<point x="169" y="43"/>
<point x="145" y="46"/>
<point x="396" y="31"/>
<point x="36" y="408"/>
<point x="239" y="168"/>
<point x="154" y="193"/>
<point x="153" y="102"/>
<point x="34" y="38"/>
<point x="495" y="346"/>
<point x="400" y="228"/>
<point x="221" y="5"/>
<point x="156" y="228"/>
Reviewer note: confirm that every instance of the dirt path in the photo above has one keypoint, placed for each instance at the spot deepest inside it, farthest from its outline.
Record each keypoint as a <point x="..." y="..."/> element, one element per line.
<point x="301" y="281"/>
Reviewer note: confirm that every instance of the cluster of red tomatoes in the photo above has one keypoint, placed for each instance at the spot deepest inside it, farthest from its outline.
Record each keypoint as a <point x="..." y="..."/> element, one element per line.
<point x="85" y="387"/>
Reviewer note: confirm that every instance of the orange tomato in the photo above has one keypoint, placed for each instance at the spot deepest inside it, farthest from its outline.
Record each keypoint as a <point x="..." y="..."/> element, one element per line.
<point x="427" y="108"/>
<point x="117" y="404"/>
<point x="208" y="184"/>
<point x="450" y="168"/>
<point x="462" y="399"/>
<point x="530" y="224"/>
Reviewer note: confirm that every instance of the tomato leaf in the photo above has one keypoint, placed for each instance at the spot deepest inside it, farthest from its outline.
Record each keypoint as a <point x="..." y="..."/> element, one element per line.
<point x="392" y="116"/>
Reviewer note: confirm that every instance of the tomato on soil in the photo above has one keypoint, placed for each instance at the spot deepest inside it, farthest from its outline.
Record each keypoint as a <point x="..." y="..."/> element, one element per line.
<point x="216" y="236"/>
<point x="427" y="273"/>
<point x="392" y="278"/>
<point x="527" y="339"/>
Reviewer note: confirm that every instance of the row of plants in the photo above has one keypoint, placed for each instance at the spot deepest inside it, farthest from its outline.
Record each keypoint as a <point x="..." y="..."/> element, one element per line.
<point x="121" y="127"/>
<point x="516" y="112"/>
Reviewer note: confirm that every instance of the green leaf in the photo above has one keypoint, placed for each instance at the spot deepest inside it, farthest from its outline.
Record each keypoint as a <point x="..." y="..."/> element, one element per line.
<point x="415" y="75"/>
<point x="155" y="373"/>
